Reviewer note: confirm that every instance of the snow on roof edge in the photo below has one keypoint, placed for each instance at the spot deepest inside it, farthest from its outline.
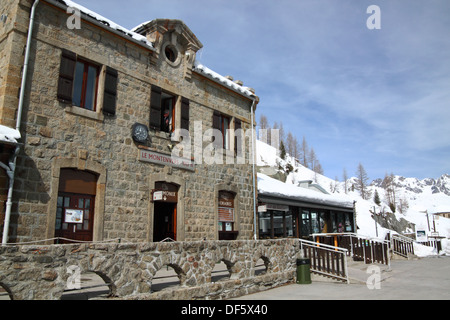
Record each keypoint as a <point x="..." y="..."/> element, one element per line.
<point x="200" y="68"/>
<point x="272" y="187"/>
<point x="8" y="134"/>
<point x="107" y="22"/>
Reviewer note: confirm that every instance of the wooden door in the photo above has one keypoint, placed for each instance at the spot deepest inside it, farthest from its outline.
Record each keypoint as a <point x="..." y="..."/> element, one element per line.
<point x="68" y="227"/>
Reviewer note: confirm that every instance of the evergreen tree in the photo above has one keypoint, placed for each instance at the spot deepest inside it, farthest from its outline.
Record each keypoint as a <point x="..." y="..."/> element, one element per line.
<point x="282" y="150"/>
<point x="362" y="182"/>
<point x="376" y="198"/>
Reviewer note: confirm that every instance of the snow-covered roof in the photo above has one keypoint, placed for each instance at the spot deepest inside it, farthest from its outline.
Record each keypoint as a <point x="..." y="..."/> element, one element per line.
<point x="268" y="186"/>
<point x="200" y="68"/>
<point x="8" y="134"/>
<point x="106" y="22"/>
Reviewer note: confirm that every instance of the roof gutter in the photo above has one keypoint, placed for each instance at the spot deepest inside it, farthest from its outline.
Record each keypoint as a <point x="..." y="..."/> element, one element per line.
<point x="12" y="163"/>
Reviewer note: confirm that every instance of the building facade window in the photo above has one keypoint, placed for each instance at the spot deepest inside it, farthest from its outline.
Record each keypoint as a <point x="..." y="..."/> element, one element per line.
<point x="276" y="222"/>
<point x="221" y="122"/>
<point x="164" y="110"/>
<point x="79" y="84"/>
<point x="85" y="85"/>
<point x="226" y="216"/>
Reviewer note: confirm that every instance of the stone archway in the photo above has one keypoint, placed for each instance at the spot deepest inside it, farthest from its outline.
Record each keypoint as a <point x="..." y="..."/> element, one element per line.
<point x="81" y="164"/>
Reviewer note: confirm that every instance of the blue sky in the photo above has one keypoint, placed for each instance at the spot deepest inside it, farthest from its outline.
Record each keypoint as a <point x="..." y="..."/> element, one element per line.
<point x="379" y="97"/>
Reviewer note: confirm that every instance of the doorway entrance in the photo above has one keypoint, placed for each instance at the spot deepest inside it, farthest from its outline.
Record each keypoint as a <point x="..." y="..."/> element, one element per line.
<point x="165" y="221"/>
<point x="165" y="198"/>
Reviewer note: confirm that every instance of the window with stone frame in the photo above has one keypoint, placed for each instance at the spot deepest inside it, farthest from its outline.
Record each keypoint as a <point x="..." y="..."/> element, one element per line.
<point x="163" y="110"/>
<point x="221" y="122"/>
<point x="226" y="216"/>
<point x="78" y="83"/>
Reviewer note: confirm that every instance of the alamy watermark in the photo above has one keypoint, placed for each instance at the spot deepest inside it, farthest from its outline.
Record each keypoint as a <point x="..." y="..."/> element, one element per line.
<point x="213" y="146"/>
<point x="374" y="21"/>
<point x="74" y="280"/>
<point x="74" y="21"/>
<point x="374" y="280"/>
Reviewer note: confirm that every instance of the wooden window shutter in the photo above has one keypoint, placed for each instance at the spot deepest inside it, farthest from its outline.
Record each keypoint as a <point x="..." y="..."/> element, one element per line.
<point x="237" y="139"/>
<point x="66" y="76"/>
<point x="184" y="113"/>
<point x="217" y="125"/>
<point x="110" y="93"/>
<point x="216" y="121"/>
<point x="155" y="108"/>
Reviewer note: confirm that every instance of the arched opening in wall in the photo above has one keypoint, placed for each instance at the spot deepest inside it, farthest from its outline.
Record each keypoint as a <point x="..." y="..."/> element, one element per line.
<point x="168" y="277"/>
<point x="86" y="286"/>
<point x="221" y="271"/>
<point x="5" y="294"/>
<point x="261" y="266"/>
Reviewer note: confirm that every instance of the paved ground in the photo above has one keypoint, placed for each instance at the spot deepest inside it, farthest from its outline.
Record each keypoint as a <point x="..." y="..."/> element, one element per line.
<point x="426" y="278"/>
<point x="423" y="279"/>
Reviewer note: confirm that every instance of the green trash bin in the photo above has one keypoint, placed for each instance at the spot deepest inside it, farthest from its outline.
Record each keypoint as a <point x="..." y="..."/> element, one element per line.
<point x="303" y="271"/>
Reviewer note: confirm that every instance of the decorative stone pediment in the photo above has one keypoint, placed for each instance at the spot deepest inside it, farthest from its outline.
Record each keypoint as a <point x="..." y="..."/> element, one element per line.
<point x="173" y="40"/>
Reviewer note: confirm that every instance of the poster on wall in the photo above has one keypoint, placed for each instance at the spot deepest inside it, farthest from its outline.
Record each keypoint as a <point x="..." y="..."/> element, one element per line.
<point x="73" y="216"/>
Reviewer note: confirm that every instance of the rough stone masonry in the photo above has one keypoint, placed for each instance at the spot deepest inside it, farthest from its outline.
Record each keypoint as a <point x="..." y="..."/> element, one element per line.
<point x="31" y="272"/>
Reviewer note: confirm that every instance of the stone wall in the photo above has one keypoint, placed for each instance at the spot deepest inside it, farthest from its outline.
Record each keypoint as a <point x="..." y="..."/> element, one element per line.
<point x="40" y="272"/>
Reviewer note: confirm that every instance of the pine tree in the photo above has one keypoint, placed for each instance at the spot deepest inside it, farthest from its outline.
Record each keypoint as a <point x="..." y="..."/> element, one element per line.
<point x="304" y="153"/>
<point x="376" y="198"/>
<point x="345" y="178"/>
<point x="362" y="182"/>
<point x="290" y="146"/>
<point x="390" y="191"/>
<point x="282" y="151"/>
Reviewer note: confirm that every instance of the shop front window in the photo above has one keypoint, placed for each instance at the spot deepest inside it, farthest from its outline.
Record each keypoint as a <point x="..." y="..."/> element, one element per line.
<point x="305" y="224"/>
<point x="276" y="223"/>
<point x="265" y="225"/>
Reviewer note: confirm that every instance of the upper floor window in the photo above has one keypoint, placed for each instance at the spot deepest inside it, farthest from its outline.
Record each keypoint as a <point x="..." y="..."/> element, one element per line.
<point x="86" y="85"/>
<point x="165" y="108"/>
<point x="221" y="122"/>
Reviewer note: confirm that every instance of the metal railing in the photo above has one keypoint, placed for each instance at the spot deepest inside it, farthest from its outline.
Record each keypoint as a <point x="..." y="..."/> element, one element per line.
<point x="326" y="259"/>
<point x="402" y="245"/>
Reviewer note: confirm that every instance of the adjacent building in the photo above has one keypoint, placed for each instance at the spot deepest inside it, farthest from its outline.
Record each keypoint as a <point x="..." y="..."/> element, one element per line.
<point x="287" y="210"/>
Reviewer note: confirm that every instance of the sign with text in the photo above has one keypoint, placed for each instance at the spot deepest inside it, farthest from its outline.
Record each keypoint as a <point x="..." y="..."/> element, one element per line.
<point x="165" y="196"/>
<point x="166" y="160"/>
<point x="73" y="216"/>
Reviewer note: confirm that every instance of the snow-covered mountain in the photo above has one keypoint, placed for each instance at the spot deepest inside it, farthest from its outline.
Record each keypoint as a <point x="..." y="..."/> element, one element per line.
<point x="423" y="197"/>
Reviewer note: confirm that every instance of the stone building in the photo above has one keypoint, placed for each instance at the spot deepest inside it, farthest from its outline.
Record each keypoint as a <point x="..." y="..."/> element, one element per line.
<point x="104" y="111"/>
